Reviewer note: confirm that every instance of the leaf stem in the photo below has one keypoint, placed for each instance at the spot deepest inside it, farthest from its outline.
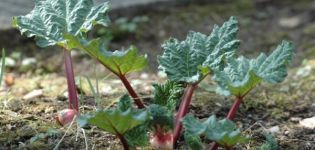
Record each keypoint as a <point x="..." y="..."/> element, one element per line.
<point x="72" y="90"/>
<point x="230" y="116"/>
<point x="123" y="141"/>
<point x="131" y="91"/>
<point x="183" y="109"/>
<point x="229" y="148"/>
<point x="234" y="108"/>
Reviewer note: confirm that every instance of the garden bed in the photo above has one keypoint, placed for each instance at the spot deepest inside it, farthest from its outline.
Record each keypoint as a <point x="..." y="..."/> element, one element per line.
<point x="29" y="123"/>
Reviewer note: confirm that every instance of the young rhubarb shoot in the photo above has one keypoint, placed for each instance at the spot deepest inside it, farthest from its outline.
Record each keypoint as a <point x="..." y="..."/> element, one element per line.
<point x="223" y="131"/>
<point x="191" y="60"/>
<point x="118" y="121"/>
<point x="166" y="99"/>
<point x="161" y="136"/>
<point x="118" y="62"/>
<point x="241" y="75"/>
<point x="65" y="116"/>
<point x="50" y="19"/>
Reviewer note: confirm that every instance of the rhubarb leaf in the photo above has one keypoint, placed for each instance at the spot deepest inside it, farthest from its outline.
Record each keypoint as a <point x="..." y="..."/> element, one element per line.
<point x="124" y="103"/>
<point x="241" y="75"/>
<point x="124" y="62"/>
<point x="115" y="121"/>
<point x="193" y="141"/>
<point x="168" y="94"/>
<point x="138" y="136"/>
<point x="193" y="126"/>
<point x="223" y="131"/>
<point x="190" y="60"/>
<point x="237" y="78"/>
<point x="273" y="68"/>
<point x="161" y="116"/>
<point x="50" y="19"/>
<point x="222" y="42"/>
<point x="119" y="62"/>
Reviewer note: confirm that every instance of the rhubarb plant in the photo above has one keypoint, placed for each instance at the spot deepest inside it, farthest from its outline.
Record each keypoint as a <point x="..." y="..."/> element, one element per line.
<point x="50" y="20"/>
<point x="166" y="99"/>
<point x="186" y="63"/>
<point x="241" y="74"/>
<point x="119" y="63"/>
<point x="191" y="60"/>
<point x="122" y="121"/>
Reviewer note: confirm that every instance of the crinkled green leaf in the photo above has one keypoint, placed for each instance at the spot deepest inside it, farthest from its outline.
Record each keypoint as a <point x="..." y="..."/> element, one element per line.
<point x="138" y="136"/>
<point x="223" y="131"/>
<point x="242" y="74"/>
<point x="119" y="62"/>
<point x="237" y="77"/>
<point x="222" y="42"/>
<point x="168" y="94"/>
<point x="188" y="61"/>
<point x="273" y="68"/>
<point x="115" y="121"/>
<point x="161" y="116"/>
<point x="124" y="103"/>
<point x="193" y="126"/>
<point x="50" y="19"/>
<point x="193" y="141"/>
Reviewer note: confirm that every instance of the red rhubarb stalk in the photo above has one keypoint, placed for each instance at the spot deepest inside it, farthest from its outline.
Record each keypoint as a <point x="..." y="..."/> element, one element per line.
<point x="72" y="91"/>
<point x="234" y="108"/>
<point x="161" y="139"/>
<point x="123" y="142"/>
<point x="183" y="109"/>
<point x="230" y="116"/>
<point x="131" y="91"/>
<point x="229" y="148"/>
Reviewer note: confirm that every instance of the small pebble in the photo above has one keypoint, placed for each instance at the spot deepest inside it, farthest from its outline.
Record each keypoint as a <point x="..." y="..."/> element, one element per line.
<point x="107" y="89"/>
<point x="144" y="76"/>
<point x="274" y="129"/>
<point x="33" y="94"/>
<point x="290" y="22"/>
<point x="295" y="119"/>
<point x="308" y="123"/>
